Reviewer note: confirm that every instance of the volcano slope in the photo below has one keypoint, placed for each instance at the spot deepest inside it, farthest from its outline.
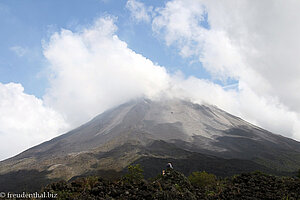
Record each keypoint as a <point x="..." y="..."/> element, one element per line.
<point x="194" y="137"/>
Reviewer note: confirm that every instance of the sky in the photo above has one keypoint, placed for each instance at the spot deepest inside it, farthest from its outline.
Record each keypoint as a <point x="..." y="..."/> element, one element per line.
<point x="64" y="62"/>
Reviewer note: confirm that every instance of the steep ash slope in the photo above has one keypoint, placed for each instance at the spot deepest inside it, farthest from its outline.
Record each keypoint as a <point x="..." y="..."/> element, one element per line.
<point x="204" y="126"/>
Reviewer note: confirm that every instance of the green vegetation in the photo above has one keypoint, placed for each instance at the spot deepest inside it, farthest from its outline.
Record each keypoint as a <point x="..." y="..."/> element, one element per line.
<point x="134" y="174"/>
<point x="203" y="179"/>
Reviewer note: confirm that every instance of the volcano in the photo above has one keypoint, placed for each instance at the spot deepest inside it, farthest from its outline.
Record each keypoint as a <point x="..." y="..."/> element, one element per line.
<point x="153" y="132"/>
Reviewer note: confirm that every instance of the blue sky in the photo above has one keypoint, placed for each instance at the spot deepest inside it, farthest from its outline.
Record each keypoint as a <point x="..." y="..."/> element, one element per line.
<point x="25" y="24"/>
<point x="62" y="62"/>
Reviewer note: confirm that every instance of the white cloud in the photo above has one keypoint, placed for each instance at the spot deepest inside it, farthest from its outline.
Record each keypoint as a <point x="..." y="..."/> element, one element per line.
<point x="24" y="120"/>
<point x="255" y="42"/>
<point x="19" y="51"/>
<point x="94" y="70"/>
<point x="139" y="11"/>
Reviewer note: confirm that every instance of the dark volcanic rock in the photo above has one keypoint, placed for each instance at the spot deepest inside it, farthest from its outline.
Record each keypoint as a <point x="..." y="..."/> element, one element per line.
<point x="261" y="186"/>
<point x="174" y="185"/>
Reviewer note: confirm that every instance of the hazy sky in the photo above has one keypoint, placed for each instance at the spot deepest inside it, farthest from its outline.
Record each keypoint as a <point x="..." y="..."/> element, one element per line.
<point x="62" y="62"/>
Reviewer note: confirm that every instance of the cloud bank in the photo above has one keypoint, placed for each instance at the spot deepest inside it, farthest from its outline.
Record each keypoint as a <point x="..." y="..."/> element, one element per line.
<point x="25" y="121"/>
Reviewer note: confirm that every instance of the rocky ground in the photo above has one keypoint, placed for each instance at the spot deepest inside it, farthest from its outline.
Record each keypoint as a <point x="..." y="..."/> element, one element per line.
<point x="261" y="186"/>
<point x="174" y="185"/>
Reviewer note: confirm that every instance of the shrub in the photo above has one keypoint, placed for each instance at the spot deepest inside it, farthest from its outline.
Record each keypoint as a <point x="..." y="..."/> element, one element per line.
<point x="202" y="179"/>
<point x="135" y="173"/>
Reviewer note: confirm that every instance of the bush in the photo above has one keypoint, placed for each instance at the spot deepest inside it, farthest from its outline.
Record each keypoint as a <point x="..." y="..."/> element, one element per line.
<point x="135" y="173"/>
<point x="298" y="175"/>
<point x="202" y="179"/>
